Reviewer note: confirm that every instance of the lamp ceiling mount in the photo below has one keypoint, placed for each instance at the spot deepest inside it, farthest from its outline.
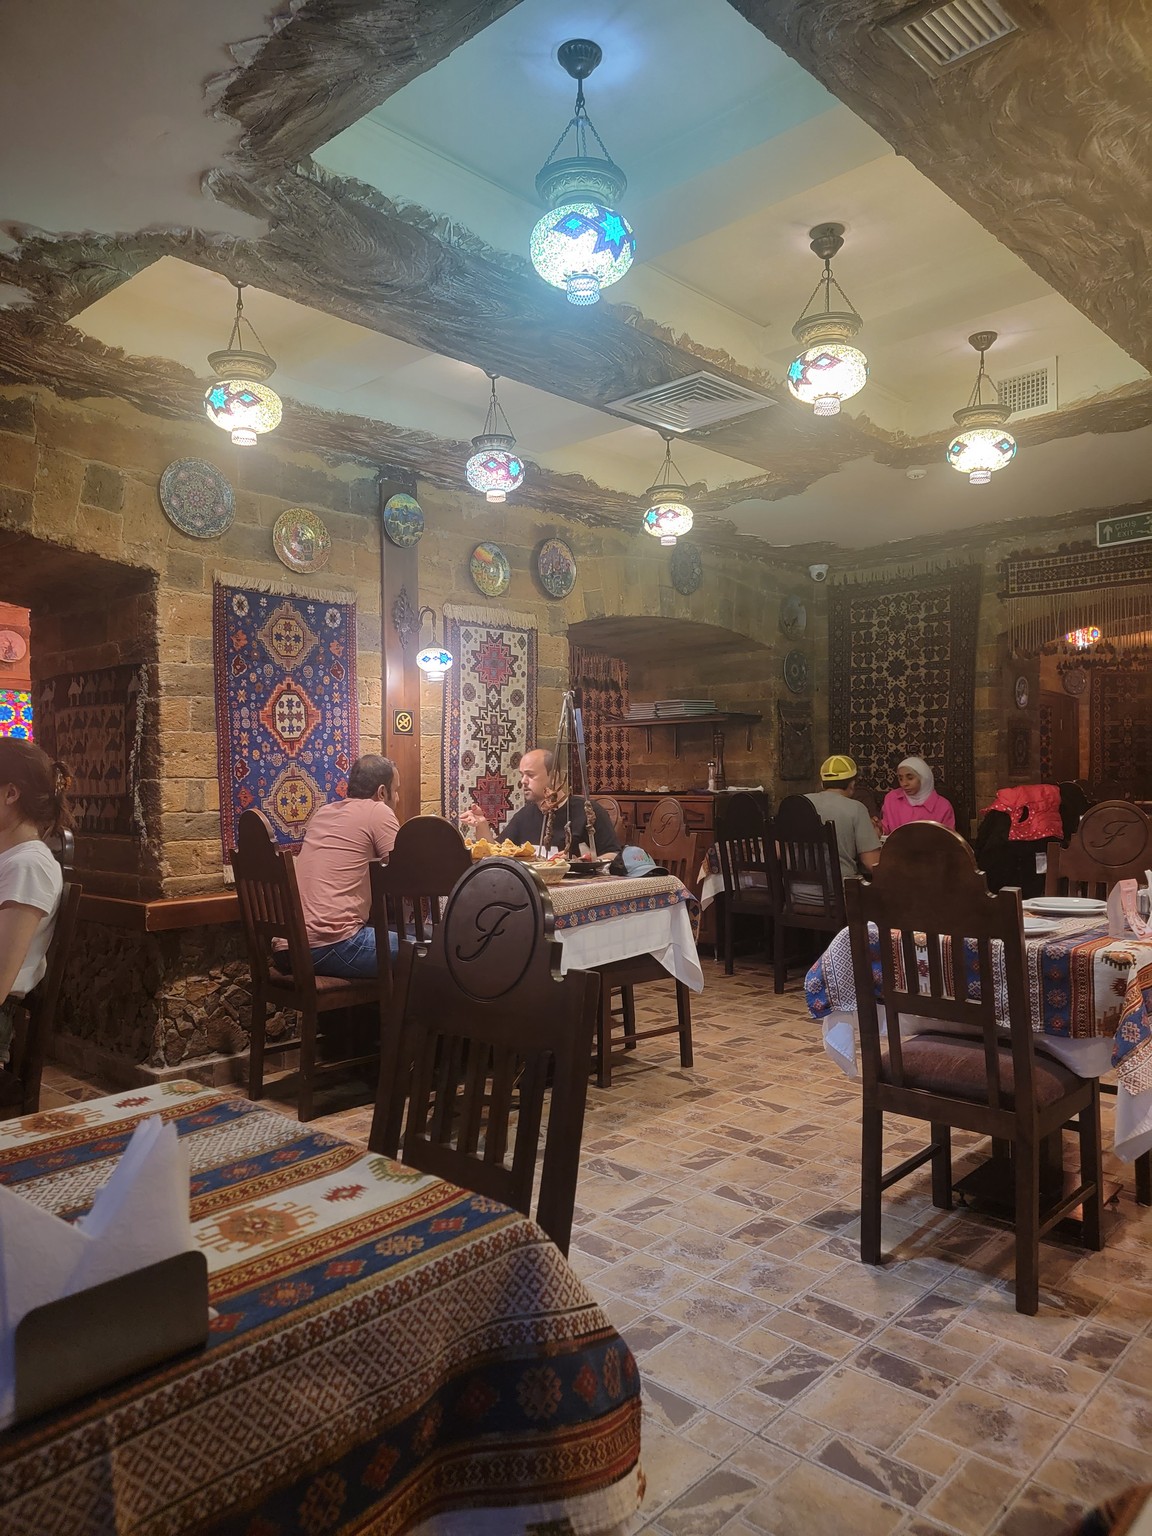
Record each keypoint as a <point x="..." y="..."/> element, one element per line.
<point x="827" y="240"/>
<point x="579" y="56"/>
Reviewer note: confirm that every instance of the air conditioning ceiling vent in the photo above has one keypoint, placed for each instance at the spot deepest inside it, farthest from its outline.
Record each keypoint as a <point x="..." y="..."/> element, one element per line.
<point x="684" y="405"/>
<point x="939" y="36"/>
<point x="1031" y="391"/>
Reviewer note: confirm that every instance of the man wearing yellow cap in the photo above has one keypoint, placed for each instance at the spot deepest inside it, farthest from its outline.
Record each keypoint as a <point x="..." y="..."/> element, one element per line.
<point x="856" y="839"/>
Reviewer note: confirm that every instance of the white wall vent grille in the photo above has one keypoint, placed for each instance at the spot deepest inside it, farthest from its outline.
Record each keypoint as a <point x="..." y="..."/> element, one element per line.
<point x="939" y="36"/>
<point x="1031" y="392"/>
<point x="683" y="405"/>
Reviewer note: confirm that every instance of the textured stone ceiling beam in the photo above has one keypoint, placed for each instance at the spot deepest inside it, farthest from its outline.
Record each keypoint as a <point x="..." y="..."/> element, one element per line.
<point x="1043" y="138"/>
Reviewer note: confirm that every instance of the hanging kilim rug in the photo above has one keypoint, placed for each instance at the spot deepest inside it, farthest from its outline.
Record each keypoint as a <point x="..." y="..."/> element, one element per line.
<point x="93" y="723"/>
<point x="903" y="676"/>
<point x="489" y="709"/>
<point x="287" y="722"/>
<point x="1121" y="738"/>
<point x="601" y="686"/>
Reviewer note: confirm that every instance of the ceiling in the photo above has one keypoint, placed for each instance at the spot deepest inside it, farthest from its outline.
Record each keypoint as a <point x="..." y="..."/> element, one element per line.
<point x="732" y="150"/>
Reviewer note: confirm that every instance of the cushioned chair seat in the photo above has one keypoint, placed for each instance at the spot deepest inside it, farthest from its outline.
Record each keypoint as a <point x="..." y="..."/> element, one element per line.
<point x="370" y="987"/>
<point x="955" y="1065"/>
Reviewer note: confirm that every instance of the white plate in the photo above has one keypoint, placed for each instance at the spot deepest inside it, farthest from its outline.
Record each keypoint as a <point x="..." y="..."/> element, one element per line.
<point x="1067" y="906"/>
<point x="1038" y="927"/>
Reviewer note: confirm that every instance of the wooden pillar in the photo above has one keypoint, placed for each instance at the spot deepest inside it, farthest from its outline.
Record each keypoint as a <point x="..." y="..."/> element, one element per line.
<point x="400" y="641"/>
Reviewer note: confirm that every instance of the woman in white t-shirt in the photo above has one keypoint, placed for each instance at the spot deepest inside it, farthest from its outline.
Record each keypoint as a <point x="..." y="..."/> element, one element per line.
<point x="31" y="806"/>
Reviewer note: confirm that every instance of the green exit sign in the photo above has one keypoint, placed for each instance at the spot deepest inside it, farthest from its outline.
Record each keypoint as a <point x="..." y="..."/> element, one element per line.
<point x="1123" y="530"/>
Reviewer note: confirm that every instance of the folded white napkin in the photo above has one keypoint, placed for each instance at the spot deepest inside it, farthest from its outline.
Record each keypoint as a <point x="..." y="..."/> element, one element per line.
<point x="138" y="1218"/>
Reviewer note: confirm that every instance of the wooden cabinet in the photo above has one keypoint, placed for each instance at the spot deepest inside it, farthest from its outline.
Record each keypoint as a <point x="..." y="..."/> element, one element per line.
<point x="698" y="813"/>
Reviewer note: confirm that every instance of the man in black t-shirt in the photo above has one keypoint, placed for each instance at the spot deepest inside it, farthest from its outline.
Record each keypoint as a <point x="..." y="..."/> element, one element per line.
<point x="527" y="824"/>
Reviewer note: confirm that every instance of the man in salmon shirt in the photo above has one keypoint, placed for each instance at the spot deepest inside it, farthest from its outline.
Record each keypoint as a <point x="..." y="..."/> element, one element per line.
<point x="332" y="868"/>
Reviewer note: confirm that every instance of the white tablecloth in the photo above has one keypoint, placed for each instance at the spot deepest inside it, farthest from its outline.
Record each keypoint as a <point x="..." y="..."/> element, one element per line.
<point x="665" y="934"/>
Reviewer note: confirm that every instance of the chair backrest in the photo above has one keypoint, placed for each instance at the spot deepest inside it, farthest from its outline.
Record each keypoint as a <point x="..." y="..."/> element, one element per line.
<point x="936" y="925"/>
<point x="615" y="815"/>
<point x="742" y="831"/>
<point x="63" y="847"/>
<point x="269" y="899"/>
<point x="481" y="1015"/>
<point x="35" y="1015"/>
<point x="408" y="891"/>
<point x="1113" y="842"/>
<point x="806" y="860"/>
<point x="667" y="841"/>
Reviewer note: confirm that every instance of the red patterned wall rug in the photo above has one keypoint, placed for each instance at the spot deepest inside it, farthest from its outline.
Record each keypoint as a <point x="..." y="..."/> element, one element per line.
<point x="489" y="709"/>
<point x="903" y="676"/>
<point x="601" y="685"/>
<point x="93" y="723"/>
<point x="287" y="716"/>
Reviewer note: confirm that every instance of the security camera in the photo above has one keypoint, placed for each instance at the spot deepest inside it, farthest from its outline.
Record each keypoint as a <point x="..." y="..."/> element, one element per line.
<point x="818" y="572"/>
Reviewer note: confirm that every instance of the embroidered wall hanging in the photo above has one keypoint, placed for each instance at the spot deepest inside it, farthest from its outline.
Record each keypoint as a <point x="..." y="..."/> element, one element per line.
<point x="287" y="718"/>
<point x="1049" y="594"/>
<point x="797" y="757"/>
<point x="1120" y="712"/>
<point x="16" y="713"/>
<point x="601" y="686"/>
<point x="93" y="723"/>
<point x="489" y="709"/>
<point x="903" y="676"/>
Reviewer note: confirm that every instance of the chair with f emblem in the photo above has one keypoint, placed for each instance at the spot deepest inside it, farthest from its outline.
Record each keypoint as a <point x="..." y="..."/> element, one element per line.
<point x="483" y="1026"/>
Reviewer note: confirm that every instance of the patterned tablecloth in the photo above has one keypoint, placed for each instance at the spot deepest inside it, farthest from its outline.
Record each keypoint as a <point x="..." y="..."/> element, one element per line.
<point x="615" y="918"/>
<point x="388" y="1352"/>
<point x="1091" y="998"/>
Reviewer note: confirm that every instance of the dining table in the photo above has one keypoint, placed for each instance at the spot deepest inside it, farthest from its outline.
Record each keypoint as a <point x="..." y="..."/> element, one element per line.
<point x="606" y="918"/>
<point x="386" y="1351"/>
<point x="1090" y="997"/>
<point x="711" y="878"/>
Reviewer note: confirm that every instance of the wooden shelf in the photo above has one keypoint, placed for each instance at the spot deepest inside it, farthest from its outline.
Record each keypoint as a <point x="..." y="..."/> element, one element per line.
<point x="720" y="717"/>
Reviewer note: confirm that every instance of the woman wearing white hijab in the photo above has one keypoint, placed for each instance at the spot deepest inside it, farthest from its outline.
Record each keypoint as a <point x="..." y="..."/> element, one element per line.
<point x="916" y="799"/>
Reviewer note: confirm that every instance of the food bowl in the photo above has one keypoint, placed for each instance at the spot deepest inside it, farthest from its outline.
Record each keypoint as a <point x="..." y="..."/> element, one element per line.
<point x="551" y="871"/>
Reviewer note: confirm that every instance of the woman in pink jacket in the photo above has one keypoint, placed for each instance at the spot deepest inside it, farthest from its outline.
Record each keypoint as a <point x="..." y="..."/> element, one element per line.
<point x="916" y="799"/>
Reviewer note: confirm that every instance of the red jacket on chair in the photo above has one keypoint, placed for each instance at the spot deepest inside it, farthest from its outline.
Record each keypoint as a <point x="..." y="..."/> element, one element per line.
<point x="1032" y="809"/>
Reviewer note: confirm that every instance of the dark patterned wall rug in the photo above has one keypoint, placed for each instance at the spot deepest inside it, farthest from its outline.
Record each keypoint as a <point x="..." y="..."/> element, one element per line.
<point x="93" y="722"/>
<point x="1121" y="742"/>
<point x="903" y="675"/>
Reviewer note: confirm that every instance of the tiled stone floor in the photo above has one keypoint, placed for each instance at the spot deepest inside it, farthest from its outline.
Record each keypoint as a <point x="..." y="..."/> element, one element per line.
<point x="790" y="1390"/>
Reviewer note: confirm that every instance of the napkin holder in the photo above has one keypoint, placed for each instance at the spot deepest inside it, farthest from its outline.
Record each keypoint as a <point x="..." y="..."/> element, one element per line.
<point x="1124" y="918"/>
<point x="80" y="1343"/>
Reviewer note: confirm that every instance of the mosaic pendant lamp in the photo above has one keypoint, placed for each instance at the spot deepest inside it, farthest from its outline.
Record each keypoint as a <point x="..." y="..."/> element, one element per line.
<point x="982" y="446"/>
<point x="828" y="370"/>
<point x="494" y="468"/>
<point x="240" y="401"/>
<point x="583" y="243"/>
<point x="668" y="516"/>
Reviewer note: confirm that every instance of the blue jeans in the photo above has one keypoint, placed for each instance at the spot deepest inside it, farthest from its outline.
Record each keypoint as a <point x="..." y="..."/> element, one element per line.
<point x="351" y="958"/>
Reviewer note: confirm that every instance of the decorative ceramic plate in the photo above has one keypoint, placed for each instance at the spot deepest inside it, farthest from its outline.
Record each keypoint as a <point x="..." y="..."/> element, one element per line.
<point x="403" y="520"/>
<point x="197" y="499"/>
<point x="1075" y="682"/>
<point x="793" y="617"/>
<point x="13" y="646"/>
<point x="556" y="567"/>
<point x="1021" y="693"/>
<point x="796" y="671"/>
<point x="301" y="540"/>
<point x="687" y="569"/>
<point x="490" y="569"/>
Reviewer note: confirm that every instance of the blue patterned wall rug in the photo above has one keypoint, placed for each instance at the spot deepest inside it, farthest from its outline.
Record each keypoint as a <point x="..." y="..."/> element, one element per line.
<point x="287" y="718"/>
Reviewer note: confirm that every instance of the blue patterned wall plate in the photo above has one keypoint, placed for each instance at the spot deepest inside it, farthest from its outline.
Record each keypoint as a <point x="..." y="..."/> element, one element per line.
<point x="197" y="499"/>
<point x="403" y="520"/>
<point x="796" y="671"/>
<point x="490" y="570"/>
<point x="556" y="567"/>
<point x="687" y="569"/>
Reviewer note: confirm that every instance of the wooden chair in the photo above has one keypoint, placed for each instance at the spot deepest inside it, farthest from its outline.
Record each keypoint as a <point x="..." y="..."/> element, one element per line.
<point x="1113" y="842"/>
<point x="481" y="1018"/>
<point x="615" y="815"/>
<point x="34" y="1016"/>
<point x="989" y="1080"/>
<point x="807" y="886"/>
<point x="667" y="841"/>
<point x="428" y="858"/>
<point x="743" y="832"/>
<point x="270" y="909"/>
